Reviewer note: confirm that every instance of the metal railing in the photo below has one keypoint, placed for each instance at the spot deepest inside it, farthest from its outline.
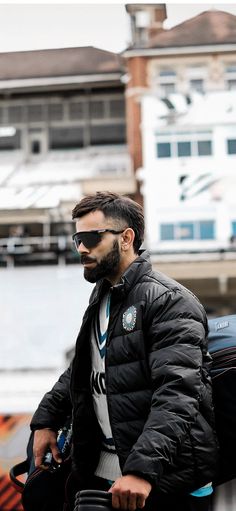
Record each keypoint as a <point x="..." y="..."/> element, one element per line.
<point x="32" y="249"/>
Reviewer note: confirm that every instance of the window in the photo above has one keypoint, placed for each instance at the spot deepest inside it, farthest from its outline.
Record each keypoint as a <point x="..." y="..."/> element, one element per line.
<point x="204" y="147"/>
<point x="117" y="108"/>
<point x="231" y="84"/>
<point x="107" y="134"/>
<point x="231" y="146"/>
<point x="167" y="81"/>
<point x="230" y="76"/>
<point x="197" y="85"/>
<point x="76" y="110"/>
<point x="163" y="150"/>
<point x="65" y="138"/>
<point x="207" y="230"/>
<point x="196" y="76"/>
<point x="167" y="232"/>
<point x="184" y="231"/>
<point x="167" y="89"/>
<point x="61" y="228"/>
<point x="8" y="143"/>
<point x="203" y="230"/>
<point x="35" y="113"/>
<point x="184" y="149"/>
<point x="97" y="110"/>
<point x="183" y="144"/>
<point x="15" y="113"/>
<point x="55" y="111"/>
<point x="234" y="228"/>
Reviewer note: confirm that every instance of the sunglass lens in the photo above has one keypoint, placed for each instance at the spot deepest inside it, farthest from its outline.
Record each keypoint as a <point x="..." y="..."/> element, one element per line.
<point x="89" y="239"/>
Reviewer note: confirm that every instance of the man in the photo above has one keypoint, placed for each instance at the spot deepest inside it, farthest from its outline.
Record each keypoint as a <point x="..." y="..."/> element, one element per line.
<point x="140" y="390"/>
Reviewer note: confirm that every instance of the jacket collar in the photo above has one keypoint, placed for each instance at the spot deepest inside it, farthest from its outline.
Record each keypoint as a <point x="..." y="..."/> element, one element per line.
<point x="134" y="272"/>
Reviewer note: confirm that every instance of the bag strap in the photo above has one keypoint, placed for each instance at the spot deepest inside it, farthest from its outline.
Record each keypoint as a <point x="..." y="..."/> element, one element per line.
<point x="17" y="470"/>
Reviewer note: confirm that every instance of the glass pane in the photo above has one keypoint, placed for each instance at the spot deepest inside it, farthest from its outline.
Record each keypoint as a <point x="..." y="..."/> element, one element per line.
<point x="231" y="68"/>
<point x="231" y="84"/>
<point x="231" y="146"/>
<point x="167" y="232"/>
<point x="62" y="228"/>
<point x="163" y="150"/>
<point x="55" y="111"/>
<point x="97" y="109"/>
<point x="117" y="108"/>
<point x="108" y="134"/>
<point x="35" y="113"/>
<point x="65" y="138"/>
<point x="168" y="88"/>
<point x="234" y="228"/>
<point x="207" y="229"/>
<point x="167" y="72"/>
<point x="9" y="143"/>
<point x="204" y="147"/>
<point x="185" y="231"/>
<point x="15" y="113"/>
<point x="197" y="85"/>
<point x="76" y="110"/>
<point x="184" y="149"/>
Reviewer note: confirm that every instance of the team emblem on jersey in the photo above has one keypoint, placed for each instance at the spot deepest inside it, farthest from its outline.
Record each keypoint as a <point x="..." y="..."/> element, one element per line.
<point x="129" y="318"/>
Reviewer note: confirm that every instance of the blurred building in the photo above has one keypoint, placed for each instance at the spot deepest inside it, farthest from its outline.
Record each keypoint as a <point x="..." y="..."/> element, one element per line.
<point x="189" y="155"/>
<point x="196" y="55"/>
<point x="181" y="133"/>
<point x="62" y="135"/>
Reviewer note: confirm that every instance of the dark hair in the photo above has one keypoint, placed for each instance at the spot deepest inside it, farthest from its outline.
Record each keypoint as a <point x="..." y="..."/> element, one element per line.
<point x="122" y="209"/>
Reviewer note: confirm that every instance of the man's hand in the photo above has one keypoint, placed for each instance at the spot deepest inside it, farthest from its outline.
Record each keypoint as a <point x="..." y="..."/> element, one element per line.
<point x="44" y="440"/>
<point x="130" y="492"/>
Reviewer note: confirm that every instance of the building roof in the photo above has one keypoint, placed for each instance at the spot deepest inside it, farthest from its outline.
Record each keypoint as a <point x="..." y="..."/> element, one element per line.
<point x="208" y="28"/>
<point x="58" y="62"/>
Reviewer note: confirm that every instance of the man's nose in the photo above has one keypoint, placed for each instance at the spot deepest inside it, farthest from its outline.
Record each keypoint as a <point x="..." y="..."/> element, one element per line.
<point x="82" y="249"/>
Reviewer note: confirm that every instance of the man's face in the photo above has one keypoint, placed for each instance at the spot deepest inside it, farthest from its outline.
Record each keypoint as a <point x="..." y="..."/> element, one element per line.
<point x="103" y="260"/>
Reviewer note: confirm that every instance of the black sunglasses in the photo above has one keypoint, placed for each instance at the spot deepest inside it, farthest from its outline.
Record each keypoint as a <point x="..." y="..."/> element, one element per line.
<point x="91" y="238"/>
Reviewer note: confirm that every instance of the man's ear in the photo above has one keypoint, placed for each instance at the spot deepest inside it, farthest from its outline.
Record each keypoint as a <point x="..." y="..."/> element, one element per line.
<point x="127" y="239"/>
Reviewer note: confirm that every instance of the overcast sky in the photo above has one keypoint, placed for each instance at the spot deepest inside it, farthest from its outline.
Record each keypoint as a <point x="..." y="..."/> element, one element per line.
<point x="32" y="26"/>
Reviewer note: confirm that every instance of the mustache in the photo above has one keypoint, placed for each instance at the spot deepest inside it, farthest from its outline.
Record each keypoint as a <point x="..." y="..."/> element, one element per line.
<point x="86" y="259"/>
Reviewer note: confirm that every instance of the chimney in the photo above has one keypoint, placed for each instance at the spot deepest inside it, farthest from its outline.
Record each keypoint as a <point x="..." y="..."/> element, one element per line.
<point x="146" y="22"/>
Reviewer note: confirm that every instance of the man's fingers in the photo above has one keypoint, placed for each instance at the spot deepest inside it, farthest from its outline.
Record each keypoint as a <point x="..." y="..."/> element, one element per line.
<point x="45" y="440"/>
<point x="56" y="454"/>
<point x="129" y="492"/>
<point x="124" y="499"/>
<point x="132" y="502"/>
<point x="140" y="502"/>
<point x="128" y="501"/>
<point x="115" y="501"/>
<point x="38" y="460"/>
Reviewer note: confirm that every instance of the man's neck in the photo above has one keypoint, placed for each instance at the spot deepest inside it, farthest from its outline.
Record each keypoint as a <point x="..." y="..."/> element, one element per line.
<point x="123" y="267"/>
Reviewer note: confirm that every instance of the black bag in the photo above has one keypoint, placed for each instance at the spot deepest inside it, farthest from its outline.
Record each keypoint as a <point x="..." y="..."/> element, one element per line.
<point x="43" y="490"/>
<point x="222" y="347"/>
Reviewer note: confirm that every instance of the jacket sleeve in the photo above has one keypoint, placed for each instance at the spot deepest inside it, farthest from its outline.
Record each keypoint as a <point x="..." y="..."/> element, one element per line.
<point x="175" y="338"/>
<point x="55" y="407"/>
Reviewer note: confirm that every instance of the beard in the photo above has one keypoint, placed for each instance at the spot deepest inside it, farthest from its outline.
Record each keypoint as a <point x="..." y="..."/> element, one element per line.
<point x="108" y="266"/>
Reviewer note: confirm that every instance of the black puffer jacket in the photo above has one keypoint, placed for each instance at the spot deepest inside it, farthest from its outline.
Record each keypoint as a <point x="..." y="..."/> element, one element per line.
<point x="158" y="388"/>
<point x="55" y="407"/>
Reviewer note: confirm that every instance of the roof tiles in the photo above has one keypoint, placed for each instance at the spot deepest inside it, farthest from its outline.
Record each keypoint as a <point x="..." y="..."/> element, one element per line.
<point x="208" y="28"/>
<point x="58" y="62"/>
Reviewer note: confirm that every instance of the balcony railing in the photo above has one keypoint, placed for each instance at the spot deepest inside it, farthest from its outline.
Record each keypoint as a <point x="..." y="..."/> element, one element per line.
<point x="17" y="250"/>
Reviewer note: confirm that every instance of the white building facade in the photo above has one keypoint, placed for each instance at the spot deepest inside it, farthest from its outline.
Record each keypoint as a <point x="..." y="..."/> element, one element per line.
<point x="189" y="171"/>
